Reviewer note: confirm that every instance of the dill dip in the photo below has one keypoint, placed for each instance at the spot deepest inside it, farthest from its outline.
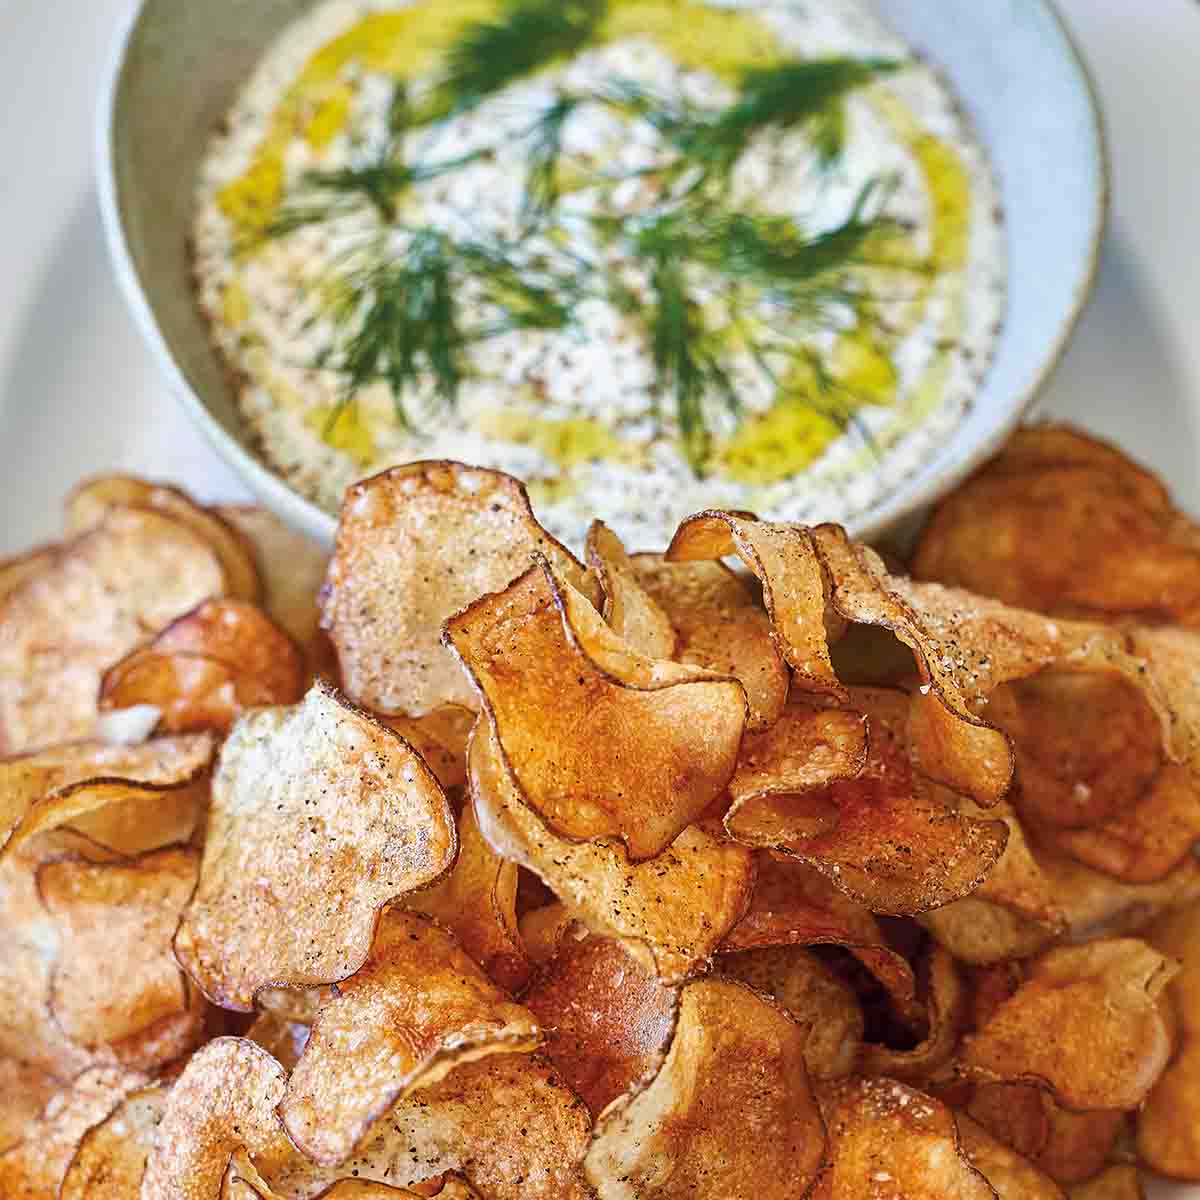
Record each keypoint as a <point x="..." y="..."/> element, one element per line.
<point x="651" y="256"/>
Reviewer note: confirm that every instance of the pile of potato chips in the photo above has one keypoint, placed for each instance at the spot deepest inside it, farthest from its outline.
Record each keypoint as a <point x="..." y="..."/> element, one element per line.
<point x="457" y="866"/>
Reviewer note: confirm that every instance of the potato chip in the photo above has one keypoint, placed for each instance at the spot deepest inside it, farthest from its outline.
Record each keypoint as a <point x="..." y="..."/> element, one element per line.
<point x="319" y="817"/>
<point x="440" y="738"/>
<point x="1116" y="1183"/>
<point x="545" y="930"/>
<point x="146" y="1013"/>
<point x="415" y="1010"/>
<point x="736" y="1063"/>
<point x="25" y="1089"/>
<point x="680" y="905"/>
<point x="477" y="902"/>
<point x="414" y="545"/>
<point x="1015" y="1113"/>
<point x="15" y="571"/>
<point x="1078" y="1144"/>
<point x="1168" y="1127"/>
<point x="888" y="1139"/>
<point x="111" y="1158"/>
<point x="1101" y="1043"/>
<point x="631" y="612"/>
<point x="72" y="784"/>
<point x="101" y="596"/>
<point x="1011" y="1176"/>
<point x="1065" y="524"/>
<point x="817" y="999"/>
<point x="283" y="1039"/>
<point x="600" y="741"/>
<point x="719" y="626"/>
<point x="90" y="504"/>
<point x="34" y="1168"/>
<point x="609" y="1018"/>
<point x="895" y="842"/>
<point x="795" y="588"/>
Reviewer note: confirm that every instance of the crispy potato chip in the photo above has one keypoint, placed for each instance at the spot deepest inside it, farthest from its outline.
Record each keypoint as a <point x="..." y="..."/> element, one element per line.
<point x="545" y="930"/>
<point x="1078" y="1144"/>
<point x="207" y="666"/>
<point x="1168" y="1127"/>
<point x="887" y="1139"/>
<point x="736" y="1063"/>
<point x="72" y="784"/>
<point x="1116" y="1183"/>
<point x="896" y="842"/>
<point x="795" y="588"/>
<point x="223" y="1102"/>
<point x="631" y="612"/>
<point x="319" y="817"/>
<point x="601" y="741"/>
<point x="440" y="738"/>
<point x="414" y="545"/>
<point x="610" y="1019"/>
<point x="818" y="1000"/>
<point x="25" y="1089"/>
<point x="1015" y="1113"/>
<point x="145" y="1011"/>
<point x="104" y="593"/>
<point x="34" y="1168"/>
<point x="283" y="1039"/>
<point x="1102" y="1042"/>
<point x="793" y="905"/>
<point x="111" y="1158"/>
<point x="15" y="571"/>
<point x="680" y="905"/>
<point x="1062" y="523"/>
<point x="719" y="626"/>
<point x="415" y="1010"/>
<point x="1011" y="1176"/>
<point x="89" y="505"/>
<point x="477" y="902"/>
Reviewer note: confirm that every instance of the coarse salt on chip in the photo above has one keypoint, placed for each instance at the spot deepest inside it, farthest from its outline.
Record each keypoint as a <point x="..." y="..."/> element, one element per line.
<point x="319" y="817"/>
<point x="736" y="1064"/>
<point x="600" y="741"/>
<point x="632" y="613"/>
<point x="1012" y="1177"/>
<point x="888" y="1139"/>
<point x="111" y="1158"/>
<point x="609" y="1018"/>
<point x="795" y="588"/>
<point x="1102" y="1042"/>
<point x="477" y="902"/>
<point x="414" y="545"/>
<point x="25" y="1089"/>
<point x="720" y="626"/>
<point x="680" y="904"/>
<point x="34" y="1168"/>
<point x="100" y="596"/>
<point x="415" y="1010"/>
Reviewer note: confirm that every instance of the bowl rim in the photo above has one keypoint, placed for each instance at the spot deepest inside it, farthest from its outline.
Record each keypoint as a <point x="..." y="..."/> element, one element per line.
<point x="903" y="502"/>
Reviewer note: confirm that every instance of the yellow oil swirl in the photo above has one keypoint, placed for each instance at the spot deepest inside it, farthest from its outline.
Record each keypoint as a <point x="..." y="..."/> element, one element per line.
<point x="343" y="430"/>
<point x="567" y="443"/>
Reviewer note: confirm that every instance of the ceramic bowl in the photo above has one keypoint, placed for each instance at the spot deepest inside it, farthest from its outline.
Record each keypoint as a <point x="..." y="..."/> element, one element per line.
<point x="178" y="64"/>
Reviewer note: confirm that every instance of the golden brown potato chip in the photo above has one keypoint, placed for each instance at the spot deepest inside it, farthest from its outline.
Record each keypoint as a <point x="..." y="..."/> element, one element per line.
<point x="1062" y="523"/>
<point x="34" y="1168"/>
<point x="440" y="738"/>
<point x="414" y="545"/>
<point x="104" y="593"/>
<point x="609" y="1018"/>
<point x="545" y="930"/>
<point x="477" y="902"/>
<point x="736" y="1064"/>
<point x="1011" y="1176"/>
<point x="90" y="503"/>
<point x="818" y="1000"/>
<point x="680" y="905"/>
<point x="719" y="626"/>
<point x="601" y="741"/>
<point x="111" y="1158"/>
<point x="1078" y="1144"/>
<point x="319" y="816"/>
<point x="1116" y="1183"/>
<point x="888" y="1139"/>
<point x="72" y="784"/>
<point x="1102" y="1042"/>
<point x="15" y="571"/>
<point x="795" y="588"/>
<point x="25" y="1090"/>
<point x="887" y="837"/>
<point x="415" y="1010"/>
<point x="631" y="612"/>
<point x="793" y="905"/>
<point x="1015" y="1113"/>
<point x="1168" y="1127"/>
<point x="283" y="1039"/>
<point x="116" y="984"/>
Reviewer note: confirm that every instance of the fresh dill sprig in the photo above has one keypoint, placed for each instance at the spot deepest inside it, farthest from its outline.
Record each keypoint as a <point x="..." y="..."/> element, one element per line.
<point x="490" y="55"/>
<point x="545" y="153"/>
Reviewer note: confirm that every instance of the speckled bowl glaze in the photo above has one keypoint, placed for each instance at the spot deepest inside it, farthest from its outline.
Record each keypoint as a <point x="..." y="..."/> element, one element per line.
<point x="177" y="66"/>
